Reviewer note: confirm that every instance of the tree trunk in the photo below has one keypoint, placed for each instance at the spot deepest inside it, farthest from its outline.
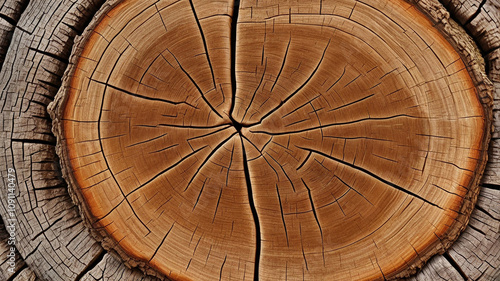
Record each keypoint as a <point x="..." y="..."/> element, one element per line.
<point x="203" y="140"/>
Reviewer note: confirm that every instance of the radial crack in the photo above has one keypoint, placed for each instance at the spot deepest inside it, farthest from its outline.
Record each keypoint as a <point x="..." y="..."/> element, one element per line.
<point x="161" y="243"/>
<point x="204" y="41"/>
<point x="365" y="171"/>
<point x="214" y="150"/>
<point x="234" y="26"/>
<point x="282" y="64"/>
<point x="255" y="92"/>
<point x="254" y="213"/>
<point x="282" y="216"/>
<point x="296" y="91"/>
<point x="334" y="124"/>
<point x="142" y="96"/>
<point x="194" y="83"/>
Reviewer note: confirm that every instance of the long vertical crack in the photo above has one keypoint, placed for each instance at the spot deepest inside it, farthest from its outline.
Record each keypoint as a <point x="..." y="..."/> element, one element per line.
<point x="254" y="212"/>
<point x="234" y="23"/>
<point x="238" y="127"/>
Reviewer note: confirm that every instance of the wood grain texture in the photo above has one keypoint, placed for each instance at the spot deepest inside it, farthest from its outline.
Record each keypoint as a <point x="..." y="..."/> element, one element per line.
<point x="110" y="268"/>
<point x="480" y="241"/>
<point x="438" y="268"/>
<point x="492" y="173"/>
<point x="10" y="11"/>
<point x="462" y="261"/>
<point x="51" y="238"/>
<point x="150" y="123"/>
<point x="477" y="252"/>
<point x="481" y="18"/>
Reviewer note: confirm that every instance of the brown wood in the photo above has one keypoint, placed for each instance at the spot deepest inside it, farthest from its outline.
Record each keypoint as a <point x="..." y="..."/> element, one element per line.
<point x="350" y="134"/>
<point x="52" y="240"/>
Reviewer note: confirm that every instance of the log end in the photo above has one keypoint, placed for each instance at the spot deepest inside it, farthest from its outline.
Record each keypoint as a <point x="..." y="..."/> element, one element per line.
<point x="206" y="140"/>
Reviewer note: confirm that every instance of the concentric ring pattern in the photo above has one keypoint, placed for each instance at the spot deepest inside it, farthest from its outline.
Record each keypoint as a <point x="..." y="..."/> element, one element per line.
<point x="272" y="140"/>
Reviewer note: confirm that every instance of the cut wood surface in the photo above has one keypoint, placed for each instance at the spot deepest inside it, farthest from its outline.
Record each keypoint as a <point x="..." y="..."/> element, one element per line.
<point x="272" y="140"/>
<point x="252" y="194"/>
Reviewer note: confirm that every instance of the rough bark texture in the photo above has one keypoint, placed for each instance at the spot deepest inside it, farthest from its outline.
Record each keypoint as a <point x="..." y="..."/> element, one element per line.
<point x="50" y="235"/>
<point x="52" y="241"/>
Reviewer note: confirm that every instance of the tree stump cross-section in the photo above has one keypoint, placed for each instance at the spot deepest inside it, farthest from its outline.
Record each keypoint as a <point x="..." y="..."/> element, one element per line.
<point x="272" y="140"/>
